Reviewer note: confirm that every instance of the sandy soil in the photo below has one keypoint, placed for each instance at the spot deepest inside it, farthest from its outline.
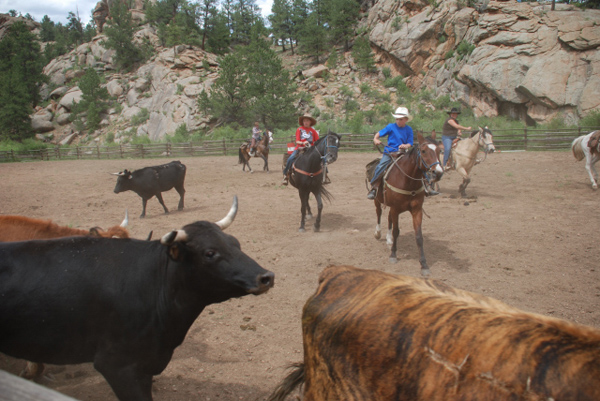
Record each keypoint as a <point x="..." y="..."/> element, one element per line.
<point x="528" y="237"/>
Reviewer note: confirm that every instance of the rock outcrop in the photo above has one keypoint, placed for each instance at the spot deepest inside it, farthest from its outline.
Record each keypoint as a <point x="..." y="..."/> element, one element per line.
<point x="525" y="61"/>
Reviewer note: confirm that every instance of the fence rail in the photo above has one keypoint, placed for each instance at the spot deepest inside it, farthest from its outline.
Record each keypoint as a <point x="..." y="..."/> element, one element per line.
<point x="525" y="139"/>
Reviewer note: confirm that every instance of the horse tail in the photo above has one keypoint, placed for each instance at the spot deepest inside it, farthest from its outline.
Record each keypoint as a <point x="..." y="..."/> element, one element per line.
<point x="291" y="381"/>
<point x="577" y="148"/>
<point x="241" y="159"/>
<point x="325" y="193"/>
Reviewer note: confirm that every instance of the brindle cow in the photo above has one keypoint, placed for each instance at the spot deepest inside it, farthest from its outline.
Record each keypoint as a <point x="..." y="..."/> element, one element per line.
<point x="370" y="335"/>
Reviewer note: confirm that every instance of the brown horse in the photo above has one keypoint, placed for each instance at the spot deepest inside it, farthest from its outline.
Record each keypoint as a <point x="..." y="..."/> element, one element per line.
<point x="262" y="151"/>
<point x="403" y="190"/>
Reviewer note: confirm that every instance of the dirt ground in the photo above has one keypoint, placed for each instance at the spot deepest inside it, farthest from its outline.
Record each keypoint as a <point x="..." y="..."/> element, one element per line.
<point x="528" y="236"/>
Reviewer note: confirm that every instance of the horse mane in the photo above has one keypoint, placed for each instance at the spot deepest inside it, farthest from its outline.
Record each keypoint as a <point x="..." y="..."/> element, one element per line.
<point x="474" y="132"/>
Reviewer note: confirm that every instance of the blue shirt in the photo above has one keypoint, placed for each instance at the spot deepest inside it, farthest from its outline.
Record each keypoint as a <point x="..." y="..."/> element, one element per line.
<point x="396" y="136"/>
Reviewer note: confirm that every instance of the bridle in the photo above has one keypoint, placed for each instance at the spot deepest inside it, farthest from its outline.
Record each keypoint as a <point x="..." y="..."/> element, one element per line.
<point x="323" y="157"/>
<point x="420" y="162"/>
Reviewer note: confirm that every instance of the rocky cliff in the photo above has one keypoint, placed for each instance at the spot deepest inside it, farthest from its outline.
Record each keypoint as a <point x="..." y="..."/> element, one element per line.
<point x="502" y="58"/>
<point x="521" y="59"/>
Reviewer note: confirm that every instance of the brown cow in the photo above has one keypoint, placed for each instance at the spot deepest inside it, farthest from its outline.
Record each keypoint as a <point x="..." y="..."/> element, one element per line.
<point x="21" y="228"/>
<point x="370" y="335"/>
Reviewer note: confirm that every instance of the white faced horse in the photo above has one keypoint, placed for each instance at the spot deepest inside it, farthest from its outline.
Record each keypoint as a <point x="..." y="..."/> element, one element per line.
<point x="588" y="146"/>
<point x="464" y="155"/>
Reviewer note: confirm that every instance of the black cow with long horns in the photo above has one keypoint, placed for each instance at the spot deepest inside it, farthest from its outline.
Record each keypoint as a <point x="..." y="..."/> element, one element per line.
<point x="123" y="304"/>
<point x="152" y="181"/>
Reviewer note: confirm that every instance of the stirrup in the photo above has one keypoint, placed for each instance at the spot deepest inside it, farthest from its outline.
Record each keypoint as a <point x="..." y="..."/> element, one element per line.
<point x="372" y="194"/>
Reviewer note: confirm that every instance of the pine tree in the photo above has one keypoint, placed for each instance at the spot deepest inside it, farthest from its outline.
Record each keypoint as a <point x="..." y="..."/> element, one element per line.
<point x="269" y="85"/>
<point x="94" y="99"/>
<point x="313" y="37"/>
<point x="342" y="16"/>
<point x="363" y="56"/>
<point x="120" y="37"/>
<point x="281" y="23"/>
<point x="228" y="99"/>
<point x="20" y="79"/>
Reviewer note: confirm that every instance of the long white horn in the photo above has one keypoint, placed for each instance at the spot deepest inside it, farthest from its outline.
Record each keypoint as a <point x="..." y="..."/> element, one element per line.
<point x="126" y="220"/>
<point x="226" y="222"/>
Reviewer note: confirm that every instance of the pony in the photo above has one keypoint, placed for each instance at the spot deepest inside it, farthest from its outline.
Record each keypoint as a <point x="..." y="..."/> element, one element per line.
<point x="463" y="156"/>
<point x="403" y="190"/>
<point x="588" y="146"/>
<point x="262" y="151"/>
<point x="307" y="174"/>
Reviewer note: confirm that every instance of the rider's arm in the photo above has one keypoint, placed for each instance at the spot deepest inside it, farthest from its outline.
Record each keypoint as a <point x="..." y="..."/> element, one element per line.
<point x="457" y="126"/>
<point x="376" y="140"/>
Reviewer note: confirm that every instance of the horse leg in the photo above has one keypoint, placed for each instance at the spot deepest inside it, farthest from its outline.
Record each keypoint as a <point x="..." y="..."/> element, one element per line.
<point x="589" y="166"/>
<point x="417" y="216"/>
<point x="389" y="237"/>
<point x="319" y="210"/>
<point x="266" y="165"/>
<point x="304" y="202"/>
<point x="466" y="180"/>
<point x="393" y="218"/>
<point x="378" y="226"/>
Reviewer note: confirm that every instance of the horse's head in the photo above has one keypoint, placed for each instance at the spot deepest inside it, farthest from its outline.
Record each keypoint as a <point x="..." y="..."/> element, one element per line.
<point x="328" y="146"/>
<point x="270" y="134"/>
<point x="485" y="139"/>
<point x="429" y="152"/>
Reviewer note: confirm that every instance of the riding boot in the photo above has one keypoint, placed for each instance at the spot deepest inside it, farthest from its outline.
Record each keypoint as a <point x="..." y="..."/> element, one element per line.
<point x="429" y="191"/>
<point x="372" y="193"/>
<point x="285" y="180"/>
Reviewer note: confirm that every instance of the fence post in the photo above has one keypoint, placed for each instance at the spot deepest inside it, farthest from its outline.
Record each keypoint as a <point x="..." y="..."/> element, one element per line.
<point x="525" y="137"/>
<point x="12" y="155"/>
<point x="224" y="147"/>
<point x="77" y="151"/>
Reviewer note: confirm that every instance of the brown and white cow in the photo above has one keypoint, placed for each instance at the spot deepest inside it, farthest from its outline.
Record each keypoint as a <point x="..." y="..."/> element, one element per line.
<point x="21" y="228"/>
<point x="370" y="335"/>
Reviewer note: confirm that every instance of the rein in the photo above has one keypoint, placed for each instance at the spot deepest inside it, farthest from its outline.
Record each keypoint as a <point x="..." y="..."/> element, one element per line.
<point x="419" y="162"/>
<point x="323" y="158"/>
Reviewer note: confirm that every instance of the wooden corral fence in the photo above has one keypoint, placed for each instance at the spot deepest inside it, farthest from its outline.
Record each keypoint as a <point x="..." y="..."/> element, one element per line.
<point x="505" y="140"/>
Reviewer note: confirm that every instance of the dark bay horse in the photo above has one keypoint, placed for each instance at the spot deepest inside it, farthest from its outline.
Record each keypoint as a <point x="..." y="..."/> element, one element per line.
<point x="262" y="151"/>
<point x="307" y="175"/>
<point x="403" y="190"/>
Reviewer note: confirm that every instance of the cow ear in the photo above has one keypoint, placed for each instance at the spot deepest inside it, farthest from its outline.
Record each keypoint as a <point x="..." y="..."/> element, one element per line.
<point x="175" y="252"/>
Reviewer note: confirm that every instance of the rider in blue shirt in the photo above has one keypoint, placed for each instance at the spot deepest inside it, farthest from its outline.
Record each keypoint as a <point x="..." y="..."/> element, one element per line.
<point x="400" y="136"/>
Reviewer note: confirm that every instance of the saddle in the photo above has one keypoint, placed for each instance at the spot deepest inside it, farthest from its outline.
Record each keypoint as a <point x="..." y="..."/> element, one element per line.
<point x="372" y="165"/>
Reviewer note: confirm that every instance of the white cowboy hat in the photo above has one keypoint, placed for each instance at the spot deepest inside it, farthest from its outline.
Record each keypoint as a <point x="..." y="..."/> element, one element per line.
<point x="402" y="112"/>
<point x="301" y="120"/>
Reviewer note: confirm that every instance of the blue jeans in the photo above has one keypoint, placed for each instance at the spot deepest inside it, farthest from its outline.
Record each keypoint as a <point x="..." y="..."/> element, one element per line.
<point x="385" y="161"/>
<point x="447" y="141"/>
<point x="290" y="160"/>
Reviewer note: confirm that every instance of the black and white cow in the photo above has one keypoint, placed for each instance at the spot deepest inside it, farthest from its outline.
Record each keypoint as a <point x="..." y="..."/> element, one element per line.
<point x="152" y="181"/>
<point x="123" y="304"/>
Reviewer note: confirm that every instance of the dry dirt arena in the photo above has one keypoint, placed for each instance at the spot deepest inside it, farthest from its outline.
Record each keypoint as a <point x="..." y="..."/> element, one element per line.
<point x="528" y="236"/>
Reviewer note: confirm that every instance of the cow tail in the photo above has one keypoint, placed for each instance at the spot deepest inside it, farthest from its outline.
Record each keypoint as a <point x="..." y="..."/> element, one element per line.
<point x="294" y="379"/>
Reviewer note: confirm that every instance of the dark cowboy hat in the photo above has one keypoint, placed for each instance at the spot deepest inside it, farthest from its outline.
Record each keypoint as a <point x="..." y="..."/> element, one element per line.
<point x="302" y="117"/>
<point x="454" y="110"/>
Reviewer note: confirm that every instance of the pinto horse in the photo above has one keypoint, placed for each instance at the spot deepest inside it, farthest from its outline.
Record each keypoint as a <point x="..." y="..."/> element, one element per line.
<point x="262" y="151"/>
<point x="307" y="174"/>
<point x="588" y="146"/>
<point x="463" y="156"/>
<point x="403" y="190"/>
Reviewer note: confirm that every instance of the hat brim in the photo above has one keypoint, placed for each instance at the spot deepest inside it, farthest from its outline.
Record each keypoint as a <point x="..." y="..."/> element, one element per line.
<point x="301" y="120"/>
<point x="402" y="116"/>
<point x="453" y="112"/>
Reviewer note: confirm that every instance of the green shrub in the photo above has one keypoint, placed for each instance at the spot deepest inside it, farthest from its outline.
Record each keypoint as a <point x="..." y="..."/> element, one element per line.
<point x="449" y="54"/>
<point x="591" y="120"/>
<point x="140" y="140"/>
<point x="387" y="72"/>
<point x="141" y="117"/>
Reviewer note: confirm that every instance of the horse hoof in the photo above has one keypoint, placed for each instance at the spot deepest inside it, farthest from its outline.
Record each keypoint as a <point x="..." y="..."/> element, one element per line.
<point x="425" y="272"/>
<point x="316" y="229"/>
<point x="252" y="172"/>
<point x="308" y="216"/>
<point x="301" y="230"/>
<point x="377" y="234"/>
<point x="393" y="260"/>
